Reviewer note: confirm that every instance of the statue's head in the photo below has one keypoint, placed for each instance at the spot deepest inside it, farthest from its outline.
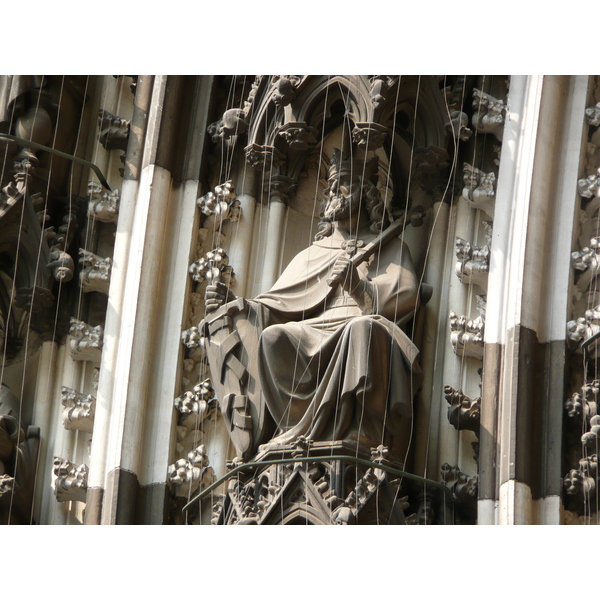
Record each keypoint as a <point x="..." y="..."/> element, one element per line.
<point x="352" y="188"/>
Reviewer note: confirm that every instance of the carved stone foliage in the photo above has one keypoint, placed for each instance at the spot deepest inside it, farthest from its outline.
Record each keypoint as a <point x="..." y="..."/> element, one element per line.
<point x="588" y="187"/>
<point x="280" y="188"/>
<point x="479" y="189"/>
<point x="584" y="328"/>
<point x="369" y="136"/>
<point x="584" y="405"/>
<point x="187" y="474"/>
<point x="264" y="158"/>
<point x="319" y="492"/>
<point x="214" y="266"/>
<point x="584" y="479"/>
<point x="463" y="486"/>
<point x="114" y="131"/>
<point x="78" y="410"/>
<point x="298" y="135"/>
<point x="191" y="338"/>
<point x="95" y="272"/>
<point x="582" y="412"/>
<point x="464" y="412"/>
<point x="197" y="405"/>
<point x="474" y="263"/>
<point x="593" y="115"/>
<point x="69" y="480"/>
<point x="586" y="263"/>
<point x="222" y="204"/>
<point x="103" y="205"/>
<point x="466" y="335"/>
<point x="488" y="114"/>
<point x="86" y="341"/>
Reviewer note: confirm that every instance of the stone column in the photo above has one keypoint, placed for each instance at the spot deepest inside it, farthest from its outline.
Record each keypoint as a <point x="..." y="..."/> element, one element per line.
<point x="241" y="243"/>
<point x="116" y="298"/>
<point x="138" y="379"/>
<point x="426" y="417"/>
<point x="523" y="380"/>
<point x="454" y="366"/>
<point x="241" y="232"/>
<point x="42" y="412"/>
<point x="279" y="188"/>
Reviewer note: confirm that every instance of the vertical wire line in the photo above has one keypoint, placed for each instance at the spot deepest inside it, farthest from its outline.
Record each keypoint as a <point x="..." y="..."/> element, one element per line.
<point x="14" y="283"/>
<point x="378" y="262"/>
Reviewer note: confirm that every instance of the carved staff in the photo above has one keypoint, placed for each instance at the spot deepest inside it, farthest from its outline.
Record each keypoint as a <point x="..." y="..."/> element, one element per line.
<point x="394" y="230"/>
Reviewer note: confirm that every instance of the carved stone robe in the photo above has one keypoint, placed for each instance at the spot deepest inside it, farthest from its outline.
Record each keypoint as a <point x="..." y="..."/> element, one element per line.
<point x="330" y="369"/>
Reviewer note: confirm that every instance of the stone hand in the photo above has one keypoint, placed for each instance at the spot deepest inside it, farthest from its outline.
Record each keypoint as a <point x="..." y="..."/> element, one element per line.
<point x="345" y="273"/>
<point x="216" y="295"/>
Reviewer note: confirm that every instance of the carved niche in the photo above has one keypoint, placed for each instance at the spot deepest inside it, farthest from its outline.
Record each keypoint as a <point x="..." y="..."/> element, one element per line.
<point x="303" y="472"/>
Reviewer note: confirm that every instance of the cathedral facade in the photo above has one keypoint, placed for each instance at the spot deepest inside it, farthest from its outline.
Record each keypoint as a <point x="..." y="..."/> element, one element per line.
<point x="299" y="299"/>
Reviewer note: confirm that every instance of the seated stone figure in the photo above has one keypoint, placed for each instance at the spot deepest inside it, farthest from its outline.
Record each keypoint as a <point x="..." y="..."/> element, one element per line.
<point x="321" y="355"/>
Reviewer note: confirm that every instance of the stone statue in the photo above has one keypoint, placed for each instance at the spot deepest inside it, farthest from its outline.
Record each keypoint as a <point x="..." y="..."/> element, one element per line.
<point x="18" y="455"/>
<point x="321" y="355"/>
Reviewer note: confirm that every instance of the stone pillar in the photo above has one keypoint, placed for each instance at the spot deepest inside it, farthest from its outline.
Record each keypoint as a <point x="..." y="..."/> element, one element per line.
<point x="116" y="299"/>
<point x="137" y="389"/>
<point x="279" y="190"/>
<point x="523" y="389"/>
<point x="435" y="328"/>
<point x="454" y="366"/>
<point x="241" y="243"/>
<point x="42" y="414"/>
